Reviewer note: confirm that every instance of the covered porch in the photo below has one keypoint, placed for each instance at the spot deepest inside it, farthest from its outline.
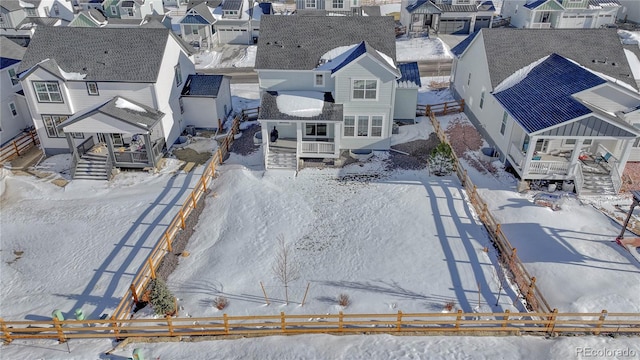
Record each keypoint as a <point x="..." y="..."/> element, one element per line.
<point x="306" y="139"/>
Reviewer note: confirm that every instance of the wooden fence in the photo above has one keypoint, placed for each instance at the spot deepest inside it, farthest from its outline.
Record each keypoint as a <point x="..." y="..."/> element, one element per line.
<point x="507" y="254"/>
<point x="148" y="270"/>
<point x="456" y="323"/>
<point x="19" y="146"/>
<point x="449" y="107"/>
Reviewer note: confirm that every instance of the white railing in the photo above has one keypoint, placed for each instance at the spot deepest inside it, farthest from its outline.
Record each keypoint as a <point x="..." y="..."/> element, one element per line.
<point x="548" y="167"/>
<point x="516" y="155"/>
<point x="541" y="25"/>
<point x="318" y="147"/>
<point x="579" y="179"/>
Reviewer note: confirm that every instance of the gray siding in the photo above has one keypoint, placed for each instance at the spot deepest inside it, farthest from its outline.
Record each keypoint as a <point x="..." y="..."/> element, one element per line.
<point x="405" y="105"/>
<point x="591" y="127"/>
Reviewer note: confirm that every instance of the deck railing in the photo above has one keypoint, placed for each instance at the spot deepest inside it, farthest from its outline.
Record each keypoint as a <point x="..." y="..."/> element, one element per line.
<point x="548" y="167"/>
<point x="318" y="147"/>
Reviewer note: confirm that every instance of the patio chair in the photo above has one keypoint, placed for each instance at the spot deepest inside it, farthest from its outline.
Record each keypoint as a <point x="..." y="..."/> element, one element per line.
<point x="600" y="158"/>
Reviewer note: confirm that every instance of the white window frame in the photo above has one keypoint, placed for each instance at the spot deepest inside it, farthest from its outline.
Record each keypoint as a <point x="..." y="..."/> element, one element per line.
<point x="315" y="127"/>
<point x="1" y="19"/>
<point x="376" y="128"/>
<point x="351" y="128"/>
<point x="310" y="4"/>
<point x="48" y="91"/>
<point x="358" y="130"/>
<point x="92" y="91"/>
<point x="128" y="11"/>
<point x="316" y="77"/>
<point x="636" y="143"/>
<point x="364" y="90"/>
<point x="32" y="12"/>
<point x="13" y="109"/>
<point x="469" y="80"/>
<point x="335" y="3"/>
<point x="503" y="125"/>
<point x="52" y="121"/>
<point x="13" y="77"/>
<point x="181" y="103"/>
<point x="481" y="99"/>
<point x="569" y="142"/>
<point x="178" y="74"/>
<point x="56" y="9"/>
<point x="587" y="142"/>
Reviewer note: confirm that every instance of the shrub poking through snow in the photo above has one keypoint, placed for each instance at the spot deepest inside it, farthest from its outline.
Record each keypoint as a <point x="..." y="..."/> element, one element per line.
<point x="220" y="302"/>
<point x="161" y="298"/>
<point x="343" y="300"/>
<point x="449" y="306"/>
<point x="441" y="160"/>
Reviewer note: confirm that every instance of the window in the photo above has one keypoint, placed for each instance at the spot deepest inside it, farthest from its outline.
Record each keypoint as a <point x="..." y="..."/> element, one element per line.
<point x="313" y="129"/>
<point x="355" y="3"/>
<point x="481" y="99"/>
<point x="13" y="76"/>
<point x="469" y="80"/>
<point x="14" y="111"/>
<point x="114" y="10"/>
<point x="32" y="12"/>
<point x="176" y="69"/>
<point x="365" y="89"/>
<point x="128" y="11"/>
<point x="46" y="11"/>
<point x="181" y="103"/>
<point x="194" y="29"/>
<point x="92" y="88"/>
<point x="117" y="139"/>
<point x="319" y="80"/>
<point x="503" y="126"/>
<point x="350" y="125"/>
<point x="56" y="9"/>
<point x="376" y="126"/>
<point x="1" y="19"/>
<point x="587" y="142"/>
<point x="310" y="4"/>
<point x="338" y="4"/>
<point x="47" y="91"/>
<point x="363" y="126"/>
<point x="463" y="2"/>
<point x="569" y="142"/>
<point x="50" y="123"/>
<point x="636" y="143"/>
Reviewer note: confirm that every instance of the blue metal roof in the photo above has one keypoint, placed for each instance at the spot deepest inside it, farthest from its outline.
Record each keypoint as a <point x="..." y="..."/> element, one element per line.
<point x="487" y="6"/>
<point x="462" y="46"/>
<point x="343" y="59"/>
<point x="194" y="19"/>
<point x="202" y="85"/>
<point x="535" y="4"/>
<point x="6" y="62"/>
<point x="416" y="5"/>
<point x="266" y="8"/>
<point x="410" y="73"/>
<point x="543" y="98"/>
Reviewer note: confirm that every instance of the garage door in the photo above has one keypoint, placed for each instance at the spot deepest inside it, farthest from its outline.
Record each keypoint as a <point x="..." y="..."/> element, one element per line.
<point x="576" y="21"/>
<point x="454" y="26"/>
<point x="233" y="36"/>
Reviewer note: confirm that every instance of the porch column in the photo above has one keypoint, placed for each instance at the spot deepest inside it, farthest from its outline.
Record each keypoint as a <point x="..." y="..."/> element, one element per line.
<point x="148" y="145"/>
<point x="72" y="146"/>
<point x="337" y="136"/>
<point x="527" y="157"/>
<point x="109" y="141"/>
<point x="298" y="138"/>
<point x="627" y="146"/>
<point x="574" y="162"/>
<point x="472" y="24"/>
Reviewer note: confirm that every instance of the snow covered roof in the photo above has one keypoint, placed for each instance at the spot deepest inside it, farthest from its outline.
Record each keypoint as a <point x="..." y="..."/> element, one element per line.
<point x="336" y="59"/>
<point x="128" y="111"/>
<point x="299" y="105"/>
<point x="202" y="85"/>
<point x="541" y="96"/>
<point x="410" y="75"/>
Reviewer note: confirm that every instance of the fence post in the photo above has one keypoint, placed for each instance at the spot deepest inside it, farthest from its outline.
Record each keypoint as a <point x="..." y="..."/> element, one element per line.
<point x="461" y="105"/>
<point x="5" y="331"/>
<point x="283" y="324"/>
<point x="153" y="271"/>
<point x="58" y="326"/>
<point x="193" y="199"/>
<point x="182" y="219"/>
<point x="220" y="155"/>
<point x="170" y="325"/>
<point x="530" y="291"/>
<point x="226" y="324"/>
<point x="513" y="257"/>
<point x="33" y="138"/>
<point x="340" y="321"/>
<point x="505" y="318"/>
<point x="445" y="109"/>
<point x="458" y="318"/>
<point x="484" y="213"/>
<point x="219" y="125"/>
<point x="498" y="230"/>
<point x="133" y="293"/>
<point x="601" y="319"/>
<point x="15" y="147"/>
<point x="265" y="293"/>
<point x="399" y="325"/>
<point x="168" y="240"/>
<point x="552" y="322"/>
<point x="305" y="294"/>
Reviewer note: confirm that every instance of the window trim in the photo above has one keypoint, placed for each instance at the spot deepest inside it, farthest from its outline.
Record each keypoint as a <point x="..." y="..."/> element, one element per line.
<point x="315" y="127"/>
<point x="356" y="125"/>
<point x="481" y="99"/>
<point x="13" y="109"/>
<point x="178" y="74"/>
<point x="97" y="91"/>
<point x="503" y="125"/>
<point x="53" y="127"/>
<point x="334" y="4"/>
<point x="364" y="90"/>
<point x="316" y="77"/>
<point x="307" y="4"/>
<point x="48" y="93"/>
<point x="114" y="10"/>
<point x="14" y="78"/>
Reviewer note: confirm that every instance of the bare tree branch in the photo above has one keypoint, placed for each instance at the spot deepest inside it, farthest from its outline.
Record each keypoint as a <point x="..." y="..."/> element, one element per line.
<point x="285" y="268"/>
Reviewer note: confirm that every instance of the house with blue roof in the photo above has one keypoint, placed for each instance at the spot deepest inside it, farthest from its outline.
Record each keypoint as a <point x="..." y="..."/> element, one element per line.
<point x="446" y="16"/>
<point x="553" y="109"/>
<point x="14" y="112"/>
<point x="333" y="94"/>
<point x="561" y="14"/>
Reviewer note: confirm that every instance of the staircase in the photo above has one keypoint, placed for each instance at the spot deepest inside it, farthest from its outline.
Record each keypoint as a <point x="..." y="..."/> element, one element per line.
<point x="597" y="184"/>
<point x="281" y="158"/>
<point x="92" y="166"/>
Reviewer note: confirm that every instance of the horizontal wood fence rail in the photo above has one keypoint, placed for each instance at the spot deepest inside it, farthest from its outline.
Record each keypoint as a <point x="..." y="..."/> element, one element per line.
<point x="251" y="114"/>
<point x="19" y="146"/>
<point x="456" y="322"/>
<point x="164" y="245"/>
<point x="449" y="107"/>
<point x="507" y="254"/>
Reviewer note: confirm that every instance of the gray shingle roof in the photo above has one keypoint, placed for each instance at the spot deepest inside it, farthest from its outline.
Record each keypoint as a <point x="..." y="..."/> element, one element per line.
<point x="298" y="42"/>
<point x="457" y="8"/>
<point x="205" y="12"/>
<point x="10" y="49"/>
<point x="144" y="120"/>
<point x="232" y="5"/>
<point x="509" y="50"/>
<point x="202" y="85"/>
<point x="10" y="5"/>
<point x="104" y="54"/>
<point x="269" y="109"/>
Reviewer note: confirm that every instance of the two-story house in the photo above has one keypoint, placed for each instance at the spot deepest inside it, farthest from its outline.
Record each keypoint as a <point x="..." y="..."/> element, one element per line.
<point x="553" y="110"/>
<point x="132" y="9"/>
<point x="18" y="18"/>
<point x="196" y="27"/>
<point x="446" y="16"/>
<point x="113" y="90"/>
<point x="560" y="14"/>
<point x="346" y="7"/>
<point x="328" y="85"/>
<point x="14" y="113"/>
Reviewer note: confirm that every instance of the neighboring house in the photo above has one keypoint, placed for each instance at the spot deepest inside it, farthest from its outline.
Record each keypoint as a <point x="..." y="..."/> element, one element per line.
<point x="80" y="5"/>
<point x="92" y="17"/>
<point x="206" y="100"/>
<point x="132" y="9"/>
<point x="19" y="18"/>
<point x="96" y="18"/>
<point x="560" y="14"/>
<point x="553" y="110"/>
<point x="446" y="16"/>
<point x="238" y="21"/>
<point x="116" y="90"/>
<point x="629" y="11"/>
<point x="347" y="7"/>
<point x="331" y="93"/>
<point x="196" y="26"/>
<point x="14" y="113"/>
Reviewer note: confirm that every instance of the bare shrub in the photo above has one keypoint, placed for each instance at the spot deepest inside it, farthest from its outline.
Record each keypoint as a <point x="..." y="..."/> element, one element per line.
<point x="449" y="305"/>
<point x="220" y="302"/>
<point x="343" y="300"/>
<point x="285" y="268"/>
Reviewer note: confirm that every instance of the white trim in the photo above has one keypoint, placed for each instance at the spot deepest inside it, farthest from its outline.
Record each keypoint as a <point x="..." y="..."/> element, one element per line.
<point x="364" y="98"/>
<point x="357" y="118"/>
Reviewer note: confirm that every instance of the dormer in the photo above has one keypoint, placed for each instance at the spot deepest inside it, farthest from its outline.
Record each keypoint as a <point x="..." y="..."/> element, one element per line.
<point x="232" y="9"/>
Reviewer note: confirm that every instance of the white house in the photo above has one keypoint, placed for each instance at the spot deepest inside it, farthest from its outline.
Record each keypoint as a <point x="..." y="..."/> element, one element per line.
<point x="629" y="11"/>
<point x="331" y="6"/>
<point x="18" y="18"/>
<point x="330" y="93"/>
<point x="238" y="21"/>
<point x="553" y="110"/>
<point x="114" y="89"/>
<point x="132" y="9"/>
<point x="206" y="100"/>
<point x="446" y="16"/>
<point x="196" y="27"/>
<point x="14" y="113"/>
<point x="560" y="14"/>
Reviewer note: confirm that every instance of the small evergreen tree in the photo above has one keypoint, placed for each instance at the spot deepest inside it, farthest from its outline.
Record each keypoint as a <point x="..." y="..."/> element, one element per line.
<point x="161" y="298"/>
<point x="441" y="160"/>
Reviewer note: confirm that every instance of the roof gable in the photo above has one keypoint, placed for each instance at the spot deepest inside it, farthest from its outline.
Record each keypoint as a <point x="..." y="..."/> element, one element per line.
<point x="464" y="44"/>
<point x="298" y="42"/>
<point x="103" y="54"/>
<point x="535" y="106"/>
<point x="355" y="53"/>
